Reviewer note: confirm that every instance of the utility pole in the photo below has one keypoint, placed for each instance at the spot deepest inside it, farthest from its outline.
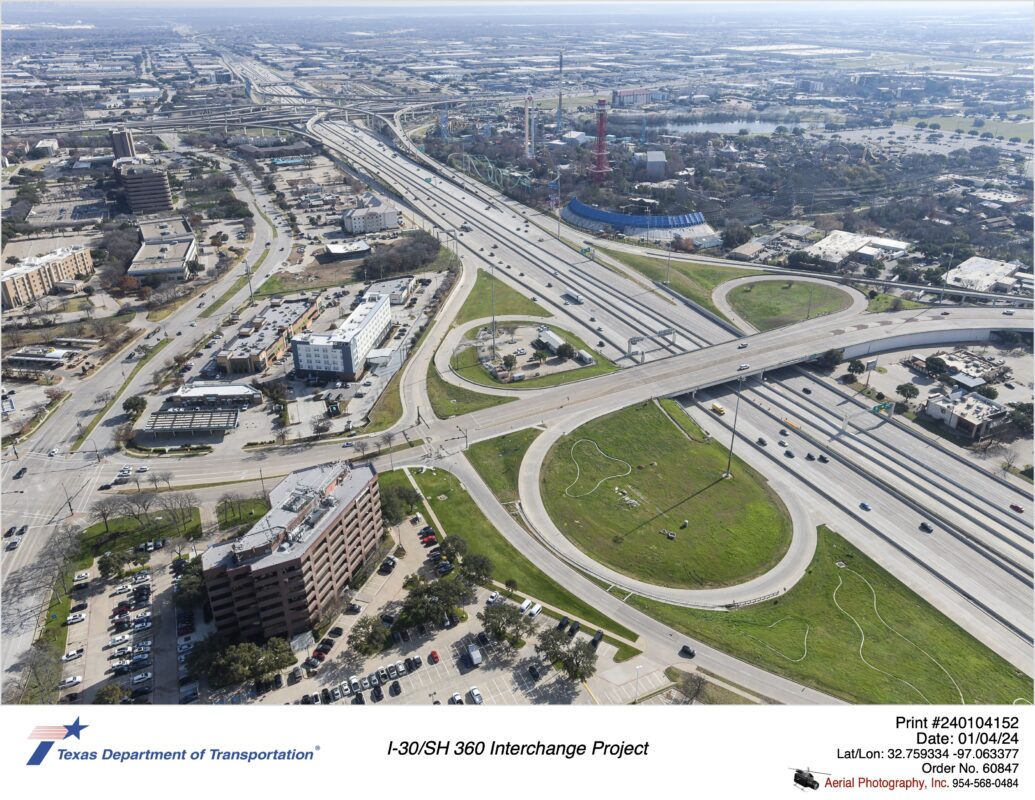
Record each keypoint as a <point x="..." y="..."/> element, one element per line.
<point x="668" y="272"/>
<point x="733" y="435"/>
<point x="67" y="500"/>
<point x="262" y="483"/>
<point x="808" y="313"/>
<point x="492" y="304"/>
<point x="465" y="436"/>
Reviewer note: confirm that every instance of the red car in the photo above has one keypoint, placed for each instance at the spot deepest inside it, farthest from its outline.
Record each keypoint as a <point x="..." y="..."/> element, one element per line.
<point x="319" y="656"/>
<point x="433" y="656"/>
<point x="1017" y="508"/>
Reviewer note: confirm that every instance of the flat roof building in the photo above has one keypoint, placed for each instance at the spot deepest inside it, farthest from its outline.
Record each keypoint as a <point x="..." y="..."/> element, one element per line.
<point x="343" y="352"/>
<point x="838" y="246"/>
<point x="971" y="415"/>
<point x="215" y="395"/>
<point x="266" y="335"/>
<point x="398" y="289"/>
<point x="167" y="246"/>
<point x="33" y="278"/>
<point x="122" y="143"/>
<point x="371" y="215"/>
<point x="292" y="567"/>
<point x="983" y="275"/>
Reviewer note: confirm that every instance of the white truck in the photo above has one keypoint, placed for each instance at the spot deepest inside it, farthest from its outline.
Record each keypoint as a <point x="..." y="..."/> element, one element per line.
<point x="574" y="297"/>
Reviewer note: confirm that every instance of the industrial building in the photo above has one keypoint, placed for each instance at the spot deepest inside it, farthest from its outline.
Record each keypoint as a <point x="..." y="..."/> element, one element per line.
<point x="33" y="278"/>
<point x="551" y="341"/>
<point x="343" y="353"/>
<point x="971" y="415"/>
<point x="122" y="143"/>
<point x="292" y="567"/>
<point x="167" y="247"/>
<point x="370" y="216"/>
<point x="837" y="247"/>
<point x="147" y="189"/>
<point x="984" y="275"/>
<point x="266" y="335"/>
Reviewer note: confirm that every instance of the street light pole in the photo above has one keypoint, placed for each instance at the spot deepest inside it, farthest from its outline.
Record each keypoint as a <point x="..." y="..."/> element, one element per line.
<point x="808" y="313"/>
<point x="668" y="272"/>
<point x="492" y="303"/>
<point x="733" y="436"/>
<point x="465" y="436"/>
<point x="636" y="699"/>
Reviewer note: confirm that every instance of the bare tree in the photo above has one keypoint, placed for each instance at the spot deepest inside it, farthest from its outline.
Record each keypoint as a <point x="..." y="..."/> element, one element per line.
<point x="104" y="509"/>
<point x="101" y="398"/>
<point x="155" y="479"/>
<point x="362" y="445"/>
<point x="166" y="478"/>
<point x="138" y="505"/>
<point x="1009" y="459"/>
<point x="123" y="435"/>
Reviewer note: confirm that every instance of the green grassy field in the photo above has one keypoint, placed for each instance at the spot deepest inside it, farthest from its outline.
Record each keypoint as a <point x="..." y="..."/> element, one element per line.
<point x="890" y="302"/>
<point x="459" y="515"/>
<point x="127" y="532"/>
<point x="251" y="510"/>
<point x="478" y="304"/>
<point x="693" y="281"/>
<point x="388" y="407"/>
<point x="994" y="126"/>
<point x="775" y="303"/>
<point x="449" y="401"/>
<point x="615" y="484"/>
<point x="465" y="362"/>
<point x="911" y="652"/>
<point x="90" y="329"/>
<point x="498" y="461"/>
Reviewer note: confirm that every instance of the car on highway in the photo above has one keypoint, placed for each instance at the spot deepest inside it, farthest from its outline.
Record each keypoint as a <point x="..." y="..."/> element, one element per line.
<point x="53" y="452"/>
<point x="865" y="506"/>
<point x="926" y="527"/>
<point x="782" y="443"/>
<point x="823" y="459"/>
<point x="784" y="432"/>
<point x="687" y="651"/>
<point x="809" y="457"/>
<point x="743" y="367"/>
<point x="789" y="453"/>
<point x="1017" y="508"/>
<point x="10" y="531"/>
<point x="761" y="440"/>
<point x="12" y="545"/>
<point x="806" y="390"/>
<point x="742" y="345"/>
<point x="23" y="530"/>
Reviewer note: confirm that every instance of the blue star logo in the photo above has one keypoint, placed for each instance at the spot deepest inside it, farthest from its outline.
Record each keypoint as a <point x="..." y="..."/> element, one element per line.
<point x="74" y="729"/>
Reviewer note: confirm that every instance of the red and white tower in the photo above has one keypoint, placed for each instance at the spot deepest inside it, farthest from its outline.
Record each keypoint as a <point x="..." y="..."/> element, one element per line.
<point x="600" y="169"/>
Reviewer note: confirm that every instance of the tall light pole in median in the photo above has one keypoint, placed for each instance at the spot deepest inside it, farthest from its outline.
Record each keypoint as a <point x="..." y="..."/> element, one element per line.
<point x="733" y="436"/>
<point x="492" y="304"/>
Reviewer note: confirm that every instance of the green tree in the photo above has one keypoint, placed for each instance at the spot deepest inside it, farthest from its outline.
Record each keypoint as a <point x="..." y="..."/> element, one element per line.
<point x="580" y="661"/>
<point x="935" y="365"/>
<point x="111" y="694"/>
<point x="856" y="367"/>
<point x="477" y="568"/>
<point x="511" y="585"/>
<point x="988" y="391"/>
<point x="134" y="405"/>
<point x="907" y="391"/>
<point x="276" y="655"/>
<point x="453" y="547"/>
<point x="112" y="563"/>
<point x="397" y="502"/>
<point x="509" y="361"/>
<point x="551" y="645"/>
<point x="566" y="351"/>
<point x="830" y="359"/>
<point x="505" y="620"/>
<point x="368" y="636"/>
<point x="1021" y="417"/>
<point x="735" y="234"/>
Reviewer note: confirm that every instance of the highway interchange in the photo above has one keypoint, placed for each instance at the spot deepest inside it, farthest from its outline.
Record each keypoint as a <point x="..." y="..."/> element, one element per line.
<point x="976" y="567"/>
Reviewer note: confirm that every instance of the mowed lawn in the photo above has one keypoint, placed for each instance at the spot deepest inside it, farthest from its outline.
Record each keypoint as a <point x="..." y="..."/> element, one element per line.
<point x="460" y="516"/>
<point x="647" y="478"/>
<point x="498" y="461"/>
<point x="912" y="653"/>
<point x="693" y="281"/>
<point x="465" y="362"/>
<point x="479" y="302"/>
<point x="775" y="303"/>
<point x="448" y="400"/>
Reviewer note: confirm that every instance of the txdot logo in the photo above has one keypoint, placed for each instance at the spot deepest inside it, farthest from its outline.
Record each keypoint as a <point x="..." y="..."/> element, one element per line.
<point x="48" y="734"/>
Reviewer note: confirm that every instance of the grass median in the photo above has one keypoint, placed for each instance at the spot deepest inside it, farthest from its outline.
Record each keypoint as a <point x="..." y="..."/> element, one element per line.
<point x="459" y="514"/>
<point x="779" y="302"/>
<point x="632" y="492"/>
<point x="118" y="393"/>
<point x="479" y="303"/>
<point x="498" y="461"/>
<point x="448" y="400"/>
<point x="850" y="629"/>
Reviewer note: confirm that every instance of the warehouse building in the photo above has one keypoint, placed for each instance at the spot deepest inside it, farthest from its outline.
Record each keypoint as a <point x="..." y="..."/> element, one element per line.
<point x="33" y="278"/>
<point x="292" y="567"/>
<point x="984" y="275"/>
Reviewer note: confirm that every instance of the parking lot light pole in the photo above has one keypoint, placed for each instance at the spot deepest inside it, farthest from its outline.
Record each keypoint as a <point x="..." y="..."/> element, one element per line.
<point x="636" y="699"/>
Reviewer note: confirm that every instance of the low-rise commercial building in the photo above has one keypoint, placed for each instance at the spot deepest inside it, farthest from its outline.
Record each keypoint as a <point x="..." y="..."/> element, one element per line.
<point x="215" y="395"/>
<point x="837" y="247"/>
<point x="33" y="278"/>
<point x="971" y="415"/>
<point x="398" y="289"/>
<point x="984" y="275"/>
<point x="167" y="248"/>
<point x="266" y="335"/>
<point x="293" y="566"/>
<point x="343" y="353"/>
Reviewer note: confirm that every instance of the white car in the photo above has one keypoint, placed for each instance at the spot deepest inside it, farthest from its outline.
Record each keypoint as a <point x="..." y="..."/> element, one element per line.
<point x="456" y="699"/>
<point x="121" y="589"/>
<point x="476" y="696"/>
<point x="143" y="577"/>
<point x="53" y="452"/>
<point x="120" y="652"/>
<point x="71" y="680"/>
<point x="74" y="618"/>
<point x="140" y="677"/>
<point x="81" y="576"/>
<point x="143" y="468"/>
<point x="742" y="345"/>
<point x="142" y="626"/>
<point x="184" y="648"/>
<point x="743" y="367"/>
<point x="494" y="597"/>
<point x="115" y="641"/>
<point x="72" y="655"/>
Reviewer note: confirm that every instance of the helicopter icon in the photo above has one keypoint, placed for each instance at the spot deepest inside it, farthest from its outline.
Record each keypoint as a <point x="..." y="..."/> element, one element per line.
<point x="805" y="779"/>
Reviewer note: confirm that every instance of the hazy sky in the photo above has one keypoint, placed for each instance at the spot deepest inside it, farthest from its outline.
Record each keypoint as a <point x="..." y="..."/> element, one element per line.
<point x="381" y="3"/>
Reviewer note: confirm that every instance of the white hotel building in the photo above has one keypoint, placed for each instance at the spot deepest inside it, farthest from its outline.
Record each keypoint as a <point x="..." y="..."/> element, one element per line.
<point x="343" y="352"/>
